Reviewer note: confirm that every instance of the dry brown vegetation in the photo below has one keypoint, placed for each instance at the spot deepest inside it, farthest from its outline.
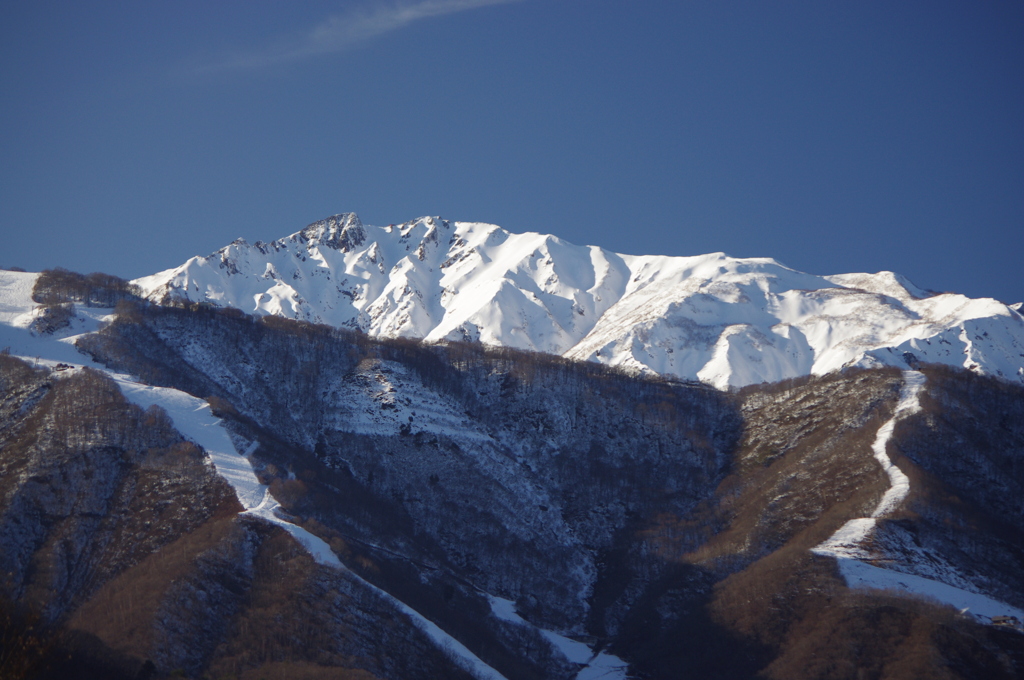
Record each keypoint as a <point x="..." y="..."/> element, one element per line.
<point x="781" y="612"/>
<point x="277" y="613"/>
<point x="803" y="467"/>
<point x="25" y="642"/>
<point x="302" y="670"/>
<point x="91" y="484"/>
<point x="297" y="616"/>
<point x="121" y="613"/>
<point x="31" y="649"/>
<point x="887" y="636"/>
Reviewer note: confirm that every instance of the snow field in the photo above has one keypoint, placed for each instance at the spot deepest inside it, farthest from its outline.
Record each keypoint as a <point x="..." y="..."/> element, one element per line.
<point x="18" y="311"/>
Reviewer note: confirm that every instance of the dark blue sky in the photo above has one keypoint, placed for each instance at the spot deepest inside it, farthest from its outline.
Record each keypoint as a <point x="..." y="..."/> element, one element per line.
<point x="834" y="137"/>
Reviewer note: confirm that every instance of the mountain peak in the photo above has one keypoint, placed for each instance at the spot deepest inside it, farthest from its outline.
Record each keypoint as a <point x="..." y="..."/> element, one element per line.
<point x="343" y="232"/>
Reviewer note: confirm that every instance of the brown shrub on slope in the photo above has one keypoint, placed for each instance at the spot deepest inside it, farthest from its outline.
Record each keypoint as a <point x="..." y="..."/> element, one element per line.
<point x="964" y="454"/>
<point x="123" y="612"/>
<point x="804" y="467"/>
<point x="89" y="485"/>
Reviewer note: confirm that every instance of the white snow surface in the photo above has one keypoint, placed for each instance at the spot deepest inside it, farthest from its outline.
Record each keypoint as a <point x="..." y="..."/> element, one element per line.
<point x="727" y="321"/>
<point x="859" y="574"/>
<point x="18" y="311"/>
<point x="847" y="545"/>
<point x="849" y="539"/>
<point x="599" y="665"/>
<point x="193" y="419"/>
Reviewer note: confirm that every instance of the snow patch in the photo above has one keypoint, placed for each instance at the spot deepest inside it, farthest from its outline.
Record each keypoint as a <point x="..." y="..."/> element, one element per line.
<point x="596" y="665"/>
<point x="861" y="575"/>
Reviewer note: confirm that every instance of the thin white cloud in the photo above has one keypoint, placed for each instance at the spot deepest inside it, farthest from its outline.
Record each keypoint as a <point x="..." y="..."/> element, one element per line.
<point x="349" y="29"/>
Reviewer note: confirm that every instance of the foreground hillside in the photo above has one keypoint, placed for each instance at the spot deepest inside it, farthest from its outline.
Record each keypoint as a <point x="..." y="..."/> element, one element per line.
<point x="384" y="508"/>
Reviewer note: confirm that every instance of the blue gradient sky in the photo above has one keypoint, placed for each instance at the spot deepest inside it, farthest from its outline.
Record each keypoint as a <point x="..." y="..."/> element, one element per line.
<point x="834" y="137"/>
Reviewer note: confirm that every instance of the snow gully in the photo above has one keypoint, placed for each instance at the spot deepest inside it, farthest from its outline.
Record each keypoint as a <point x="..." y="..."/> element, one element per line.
<point x="847" y="545"/>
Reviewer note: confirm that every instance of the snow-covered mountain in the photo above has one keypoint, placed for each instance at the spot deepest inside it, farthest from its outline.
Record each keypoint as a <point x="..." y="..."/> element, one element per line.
<point x="188" y="490"/>
<point x="722" y="320"/>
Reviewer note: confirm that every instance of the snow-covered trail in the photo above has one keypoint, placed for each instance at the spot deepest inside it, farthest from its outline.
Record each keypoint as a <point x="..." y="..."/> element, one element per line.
<point x="193" y="419"/>
<point x="862" y="575"/>
<point x="847" y="544"/>
<point x="848" y="540"/>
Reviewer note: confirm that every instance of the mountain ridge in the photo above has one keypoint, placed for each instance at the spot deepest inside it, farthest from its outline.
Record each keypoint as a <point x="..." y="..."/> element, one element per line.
<point x="726" y="321"/>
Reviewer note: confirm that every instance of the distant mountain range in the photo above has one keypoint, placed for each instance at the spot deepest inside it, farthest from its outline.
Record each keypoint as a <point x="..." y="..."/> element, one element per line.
<point x="722" y="320"/>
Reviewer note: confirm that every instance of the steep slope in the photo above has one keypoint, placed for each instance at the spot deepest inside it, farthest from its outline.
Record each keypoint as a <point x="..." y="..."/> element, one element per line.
<point x="756" y="600"/>
<point x="490" y="460"/>
<point x="552" y="518"/>
<point x="525" y="477"/>
<point x="722" y="320"/>
<point x="123" y="553"/>
<point x="496" y="504"/>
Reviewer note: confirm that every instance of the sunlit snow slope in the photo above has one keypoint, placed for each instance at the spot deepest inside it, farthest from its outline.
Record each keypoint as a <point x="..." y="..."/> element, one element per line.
<point x="723" y="320"/>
